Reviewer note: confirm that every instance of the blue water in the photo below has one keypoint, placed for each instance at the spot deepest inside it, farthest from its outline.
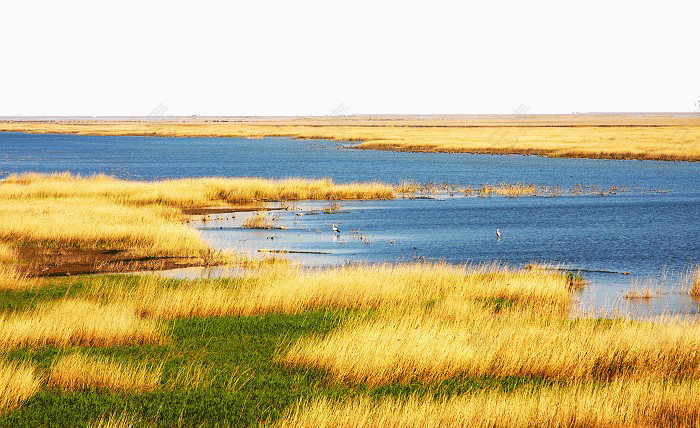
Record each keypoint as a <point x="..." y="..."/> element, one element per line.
<point x="641" y="232"/>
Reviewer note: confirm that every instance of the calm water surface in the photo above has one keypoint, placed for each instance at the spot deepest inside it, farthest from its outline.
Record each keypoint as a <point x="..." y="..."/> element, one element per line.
<point x="641" y="232"/>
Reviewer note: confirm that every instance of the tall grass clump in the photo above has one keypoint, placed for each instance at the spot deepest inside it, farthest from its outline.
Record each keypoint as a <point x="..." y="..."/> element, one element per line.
<point x="644" y="403"/>
<point x="407" y="347"/>
<point x="18" y="381"/>
<point x="97" y="223"/>
<point x="11" y="278"/>
<point x="290" y="289"/>
<point x="72" y="322"/>
<point x="77" y="371"/>
<point x="694" y="281"/>
<point x="7" y="253"/>
<point x="259" y="221"/>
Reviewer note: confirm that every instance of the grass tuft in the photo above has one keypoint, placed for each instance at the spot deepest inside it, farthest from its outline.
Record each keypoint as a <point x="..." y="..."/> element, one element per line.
<point x="260" y="220"/>
<point x="77" y="322"/>
<point x="18" y="382"/>
<point x="619" y="404"/>
<point x="77" y="372"/>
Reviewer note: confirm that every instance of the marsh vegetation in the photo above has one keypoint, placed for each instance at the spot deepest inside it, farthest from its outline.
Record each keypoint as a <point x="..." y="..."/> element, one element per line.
<point x="279" y="344"/>
<point x="292" y="346"/>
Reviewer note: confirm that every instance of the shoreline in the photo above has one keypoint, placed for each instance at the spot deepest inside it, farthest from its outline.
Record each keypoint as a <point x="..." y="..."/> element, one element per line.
<point x="620" y="137"/>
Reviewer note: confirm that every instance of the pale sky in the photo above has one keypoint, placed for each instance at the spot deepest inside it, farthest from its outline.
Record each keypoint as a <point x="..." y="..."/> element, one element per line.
<point x="362" y="57"/>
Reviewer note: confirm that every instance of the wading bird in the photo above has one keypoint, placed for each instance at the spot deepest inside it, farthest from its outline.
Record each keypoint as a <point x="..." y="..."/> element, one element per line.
<point x="498" y="234"/>
<point x="335" y="229"/>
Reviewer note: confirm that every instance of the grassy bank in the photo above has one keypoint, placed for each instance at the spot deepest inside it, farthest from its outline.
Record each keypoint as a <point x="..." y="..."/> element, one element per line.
<point x="434" y="344"/>
<point x="606" y="136"/>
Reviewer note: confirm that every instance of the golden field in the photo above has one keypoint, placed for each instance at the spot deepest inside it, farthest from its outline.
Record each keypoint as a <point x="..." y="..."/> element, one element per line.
<point x="658" y="137"/>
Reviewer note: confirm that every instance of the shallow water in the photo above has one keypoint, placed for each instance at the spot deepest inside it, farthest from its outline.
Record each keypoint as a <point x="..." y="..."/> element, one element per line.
<point x="644" y="233"/>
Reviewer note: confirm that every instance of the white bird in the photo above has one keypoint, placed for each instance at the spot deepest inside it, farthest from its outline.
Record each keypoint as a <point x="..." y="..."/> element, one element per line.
<point x="335" y="229"/>
<point x="498" y="234"/>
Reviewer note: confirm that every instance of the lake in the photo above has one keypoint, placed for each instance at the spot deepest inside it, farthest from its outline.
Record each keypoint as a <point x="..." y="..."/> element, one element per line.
<point x="650" y="231"/>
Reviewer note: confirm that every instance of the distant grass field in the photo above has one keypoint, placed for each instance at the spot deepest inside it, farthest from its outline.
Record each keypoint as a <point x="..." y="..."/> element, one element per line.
<point x="651" y="137"/>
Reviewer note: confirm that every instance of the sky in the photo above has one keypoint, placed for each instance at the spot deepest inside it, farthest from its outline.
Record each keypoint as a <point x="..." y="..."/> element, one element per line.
<point x="262" y="58"/>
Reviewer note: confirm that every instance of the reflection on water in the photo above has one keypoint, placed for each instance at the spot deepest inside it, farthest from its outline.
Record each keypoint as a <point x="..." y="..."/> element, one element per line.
<point x="645" y="234"/>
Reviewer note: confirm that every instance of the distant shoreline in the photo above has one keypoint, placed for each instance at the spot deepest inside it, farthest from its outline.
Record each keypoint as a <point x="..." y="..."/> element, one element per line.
<point x="641" y="136"/>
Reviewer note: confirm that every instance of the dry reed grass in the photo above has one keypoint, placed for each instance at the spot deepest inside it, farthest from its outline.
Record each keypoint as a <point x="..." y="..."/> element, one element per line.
<point x="538" y="135"/>
<point x="78" y="371"/>
<point x="197" y="376"/>
<point x="430" y="348"/>
<point x="260" y="220"/>
<point x="186" y="193"/>
<point x="77" y="322"/>
<point x="7" y="253"/>
<point x="645" y="403"/>
<point x="516" y="190"/>
<point x="12" y="278"/>
<point x="643" y="290"/>
<point x="120" y="420"/>
<point x="694" y="281"/>
<point x="100" y="212"/>
<point x="96" y="223"/>
<point x="290" y="289"/>
<point x="18" y="381"/>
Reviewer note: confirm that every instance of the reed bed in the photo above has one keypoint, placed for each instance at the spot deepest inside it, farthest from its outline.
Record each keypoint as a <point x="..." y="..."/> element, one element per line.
<point x="644" y="403"/>
<point x="71" y="322"/>
<point x="677" y="140"/>
<point x="517" y="190"/>
<point x="7" y="253"/>
<point x="290" y="289"/>
<point x="693" y="278"/>
<point x="78" y="372"/>
<point x="97" y="223"/>
<point x="142" y="218"/>
<point x="187" y="193"/>
<point x="18" y="382"/>
<point x="404" y="348"/>
<point x="11" y="278"/>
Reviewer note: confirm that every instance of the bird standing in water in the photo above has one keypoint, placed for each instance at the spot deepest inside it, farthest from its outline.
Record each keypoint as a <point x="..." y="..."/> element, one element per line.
<point x="498" y="234"/>
<point x="335" y="229"/>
